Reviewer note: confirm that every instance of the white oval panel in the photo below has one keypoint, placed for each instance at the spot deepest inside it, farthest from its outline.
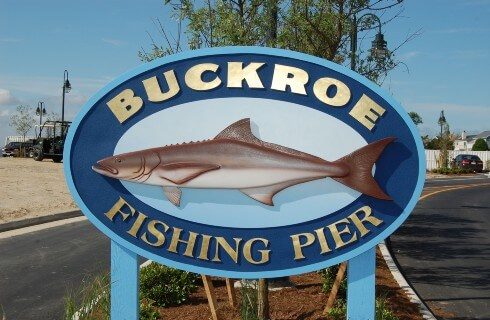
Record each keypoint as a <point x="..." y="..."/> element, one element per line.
<point x="272" y="121"/>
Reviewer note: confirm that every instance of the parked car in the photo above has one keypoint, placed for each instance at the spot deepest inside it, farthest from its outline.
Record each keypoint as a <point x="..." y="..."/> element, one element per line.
<point x="12" y="149"/>
<point x="468" y="161"/>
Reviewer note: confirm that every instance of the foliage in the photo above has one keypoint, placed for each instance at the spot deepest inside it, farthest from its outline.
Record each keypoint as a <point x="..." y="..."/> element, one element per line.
<point x="320" y="28"/>
<point x="23" y="120"/>
<point x="91" y="300"/>
<point x="166" y="286"/>
<point x="148" y="310"/>
<point x="435" y="143"/>
<point x="416" y="118"/>
<point x="480" y="145"/>
<point x="329" y="276"/>
<point x="382" y="311"/>
<point x="249" y="305"/>
<point x="451" y="171"/>
<point x="444" y="146"/>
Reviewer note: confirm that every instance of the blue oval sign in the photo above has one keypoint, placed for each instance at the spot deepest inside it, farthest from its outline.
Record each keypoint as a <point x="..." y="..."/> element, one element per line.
<point x="244" y="162"/>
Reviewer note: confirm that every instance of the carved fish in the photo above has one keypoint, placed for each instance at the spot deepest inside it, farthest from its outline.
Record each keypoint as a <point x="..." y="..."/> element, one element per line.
<point x="236" y="159"/>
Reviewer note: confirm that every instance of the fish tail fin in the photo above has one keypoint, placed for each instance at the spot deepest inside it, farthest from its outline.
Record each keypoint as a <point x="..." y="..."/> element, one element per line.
<point x="360" y="163"/>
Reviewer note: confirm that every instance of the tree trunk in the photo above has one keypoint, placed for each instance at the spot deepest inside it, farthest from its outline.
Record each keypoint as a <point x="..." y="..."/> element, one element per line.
<point x="263" y="300"/>
<point x="272" y="9"/>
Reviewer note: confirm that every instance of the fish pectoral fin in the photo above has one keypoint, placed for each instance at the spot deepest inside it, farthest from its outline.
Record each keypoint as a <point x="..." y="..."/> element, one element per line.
<point x="265" y="194"/>
<point x="180" y="172"/>
<point x="262" y="195"/>
<point x="173" y="195"/>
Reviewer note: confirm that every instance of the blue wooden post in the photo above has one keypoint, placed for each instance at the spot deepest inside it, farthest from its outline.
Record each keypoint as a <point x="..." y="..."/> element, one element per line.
<point x="124" y="283"/>
<point x="361" y="283"/>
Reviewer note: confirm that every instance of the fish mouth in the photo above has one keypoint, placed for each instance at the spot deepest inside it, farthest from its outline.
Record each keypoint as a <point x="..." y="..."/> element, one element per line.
<point x="104" y="169"/>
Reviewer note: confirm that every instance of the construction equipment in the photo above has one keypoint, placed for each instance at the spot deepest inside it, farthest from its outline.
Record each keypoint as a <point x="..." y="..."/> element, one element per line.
<point x="50" y="141"/>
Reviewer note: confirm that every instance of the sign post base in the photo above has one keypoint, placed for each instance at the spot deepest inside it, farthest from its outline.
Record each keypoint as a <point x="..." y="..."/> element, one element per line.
<point x="361" y="282"/>
<point x="124" y="283"/>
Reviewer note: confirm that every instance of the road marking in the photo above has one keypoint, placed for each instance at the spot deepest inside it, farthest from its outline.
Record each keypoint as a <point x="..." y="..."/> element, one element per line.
<point x="21" y="231"/>
<point x="484" y="177"/>
<point x="453" y="188"/>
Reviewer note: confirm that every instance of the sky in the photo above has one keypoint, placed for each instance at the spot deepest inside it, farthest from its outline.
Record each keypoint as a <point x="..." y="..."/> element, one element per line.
<point x="445" y="67"/>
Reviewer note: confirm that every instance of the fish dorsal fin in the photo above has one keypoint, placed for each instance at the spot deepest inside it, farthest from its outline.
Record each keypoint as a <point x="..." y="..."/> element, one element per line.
<point x="241" y="131"/>
<point x="180" y="172"/>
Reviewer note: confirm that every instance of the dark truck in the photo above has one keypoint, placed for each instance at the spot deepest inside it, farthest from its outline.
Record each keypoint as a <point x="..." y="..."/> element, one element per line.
<point x="50" y="141"/>
<point x="16" y="149"/>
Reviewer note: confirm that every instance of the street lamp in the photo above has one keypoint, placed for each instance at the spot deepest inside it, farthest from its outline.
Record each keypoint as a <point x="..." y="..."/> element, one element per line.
<point x="66" y="89"/>
<point x="40" y="111"/>
<point x="379" y="48"/>
<point x="442" y="120"/>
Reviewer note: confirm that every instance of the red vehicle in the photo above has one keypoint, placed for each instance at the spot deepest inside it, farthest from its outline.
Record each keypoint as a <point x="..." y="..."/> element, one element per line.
<point x="468" y="161"/>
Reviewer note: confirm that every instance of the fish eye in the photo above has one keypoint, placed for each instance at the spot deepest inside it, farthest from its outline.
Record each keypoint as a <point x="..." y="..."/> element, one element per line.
<point x="119" y="160"/>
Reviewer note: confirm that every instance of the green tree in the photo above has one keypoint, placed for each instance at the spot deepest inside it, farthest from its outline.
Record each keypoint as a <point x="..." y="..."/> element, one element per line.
<point x="480" y="145"/>
<point x="23" y="120"/>
<point x="416" y="118"/>
<point x="317" y="27"/>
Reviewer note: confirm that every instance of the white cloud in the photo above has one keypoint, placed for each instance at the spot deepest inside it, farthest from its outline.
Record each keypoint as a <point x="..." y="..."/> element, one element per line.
<point x="461" y="30"/>
<point x="4" y="113"/>
<point x="10" y="40"/>
<point x="114" y="42"/>
<point x="408" y="55"/>
<point x="6" y="98"/>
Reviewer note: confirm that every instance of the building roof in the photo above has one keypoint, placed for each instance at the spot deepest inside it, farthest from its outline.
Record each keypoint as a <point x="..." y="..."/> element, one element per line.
<point x="484" y="134"/>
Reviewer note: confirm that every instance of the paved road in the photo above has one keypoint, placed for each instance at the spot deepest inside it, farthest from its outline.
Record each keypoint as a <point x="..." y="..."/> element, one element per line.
<point x="444" y="248"/>
<point x="39" y="268"/>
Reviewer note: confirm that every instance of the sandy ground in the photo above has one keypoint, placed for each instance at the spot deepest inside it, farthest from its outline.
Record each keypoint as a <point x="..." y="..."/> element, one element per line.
<point x="30" y="188"/>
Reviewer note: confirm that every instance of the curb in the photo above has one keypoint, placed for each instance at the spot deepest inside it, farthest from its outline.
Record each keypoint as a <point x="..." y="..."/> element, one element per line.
<point x="39" y="220"/>
<point x="403" y="283"/>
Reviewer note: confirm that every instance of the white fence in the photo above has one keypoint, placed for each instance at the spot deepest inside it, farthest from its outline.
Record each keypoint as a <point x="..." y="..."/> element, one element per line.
<point x="17" y="139"/>
<point x="432" y="157"/>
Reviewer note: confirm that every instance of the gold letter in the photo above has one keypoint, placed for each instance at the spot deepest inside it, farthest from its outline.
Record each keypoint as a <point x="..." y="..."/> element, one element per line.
<point x="323" y="240"/>
<point x="233" y="253"/>
<point x="189" y="249"/>
<point x="264" y="254"/>
<point x="152" y="228"/>
<point x="298" y="251"/>
<point x="203" y="255"/>
<point x="154" y="91"/>
<point x="125" y="105"/>
<point x="117" y="209"/>
<point x="342" y="96"/>
<point x="337" y="234"/>
<point x="137" y="224"/>
<point x="237" y="73"/>
<point x="366" y="111"/>
<point x="367" y="217"/>
<point x="293" y="77"/>
<point x="193" y="77"/>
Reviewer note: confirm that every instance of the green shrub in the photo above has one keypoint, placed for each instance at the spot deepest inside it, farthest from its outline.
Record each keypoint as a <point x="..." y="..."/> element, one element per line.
<point x="329" y="276"/>
<point x="451" y="171"/>
<point x="480" y="145"/>
<point x="249" y="306"/>
<point x="148" y="311"/>
<point x="382" y="312"/>
<point x="166" y="286"/>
